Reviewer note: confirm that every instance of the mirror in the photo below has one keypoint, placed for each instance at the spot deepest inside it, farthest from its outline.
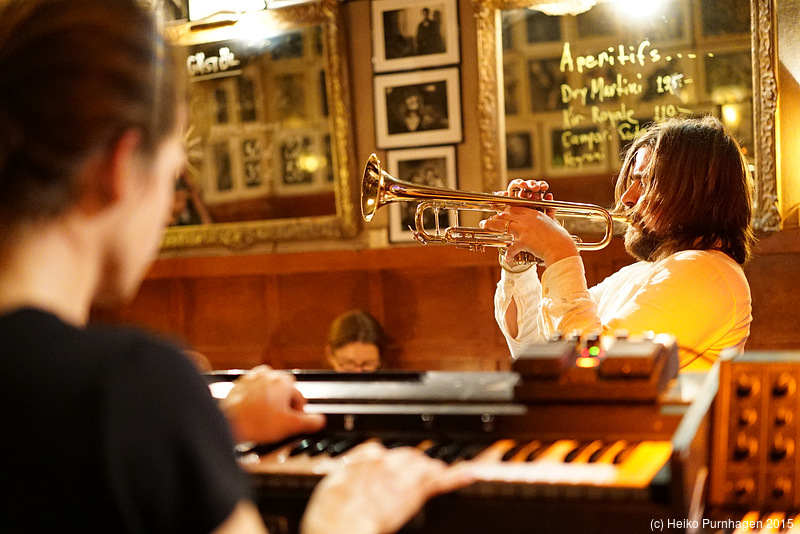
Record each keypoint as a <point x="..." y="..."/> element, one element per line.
<point x="564" y="86"/>
<point x="269" y="136"/>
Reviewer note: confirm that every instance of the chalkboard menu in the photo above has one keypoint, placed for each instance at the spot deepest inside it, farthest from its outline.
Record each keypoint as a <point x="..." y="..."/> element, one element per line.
<point x="577" y="88"/>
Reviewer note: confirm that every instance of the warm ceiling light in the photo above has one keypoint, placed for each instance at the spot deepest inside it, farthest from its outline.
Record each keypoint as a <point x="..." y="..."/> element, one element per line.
<point x="564" y="7"/>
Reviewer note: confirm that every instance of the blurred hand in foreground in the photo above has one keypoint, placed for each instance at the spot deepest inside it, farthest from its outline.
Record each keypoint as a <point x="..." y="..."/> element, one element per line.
<point x="264" y="406"/>
<point x="377" y="491"/>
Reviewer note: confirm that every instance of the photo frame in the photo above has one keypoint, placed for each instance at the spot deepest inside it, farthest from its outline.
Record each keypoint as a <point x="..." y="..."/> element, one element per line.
<point x="760" y="37"/>
<point x="418" y="108"/>
<point x="575" y="151"/>
<point x="237" y="164"/>
<point x="413" y="34"/>
<point x="671" y="81"/>
<point x="545" y="80"/>
<point x="724" y="19"/>
<point x="728" y="75"/>
<point x="537" y="33"/>
<point x="297" y="167"/>
<point x="523" y="153"/>
<point x="431" y="166"/>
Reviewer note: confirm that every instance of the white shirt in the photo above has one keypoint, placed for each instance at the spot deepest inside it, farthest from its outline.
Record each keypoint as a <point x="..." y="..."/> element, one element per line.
<point x="701" y="297"/>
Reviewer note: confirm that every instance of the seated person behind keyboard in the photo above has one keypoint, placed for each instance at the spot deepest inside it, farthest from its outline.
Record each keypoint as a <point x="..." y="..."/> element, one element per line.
<point x="115" y="431"/>
<point x="687" y="190"/>
<point x="356" y="343"/>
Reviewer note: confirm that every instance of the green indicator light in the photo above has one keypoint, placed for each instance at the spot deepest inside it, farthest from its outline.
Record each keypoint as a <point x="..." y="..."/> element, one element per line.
<point x="594" y="351"/>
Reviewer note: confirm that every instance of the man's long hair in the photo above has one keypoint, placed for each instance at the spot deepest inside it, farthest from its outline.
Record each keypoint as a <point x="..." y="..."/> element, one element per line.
<point x="697" y="189"/>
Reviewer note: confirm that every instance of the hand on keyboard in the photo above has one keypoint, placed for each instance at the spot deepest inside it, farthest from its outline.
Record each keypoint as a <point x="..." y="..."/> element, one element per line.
<point x="265" y="407"/>
<point x="377" y="490"/>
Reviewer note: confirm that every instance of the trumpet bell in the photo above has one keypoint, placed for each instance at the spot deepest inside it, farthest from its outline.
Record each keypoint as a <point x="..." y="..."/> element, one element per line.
<point x="371" y="188"/>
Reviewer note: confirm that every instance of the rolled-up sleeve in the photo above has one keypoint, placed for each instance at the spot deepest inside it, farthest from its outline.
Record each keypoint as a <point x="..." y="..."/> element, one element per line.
<point x="526" y="292"/>
<point x="559" y="303"/>
<point x="567" y="305"/>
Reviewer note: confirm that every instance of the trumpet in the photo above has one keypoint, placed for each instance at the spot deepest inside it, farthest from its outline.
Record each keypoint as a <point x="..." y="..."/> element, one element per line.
<point x="379" y="188"/>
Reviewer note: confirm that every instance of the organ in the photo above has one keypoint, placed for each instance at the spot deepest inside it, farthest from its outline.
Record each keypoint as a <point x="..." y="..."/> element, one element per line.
<point x="615" y="443"/>
<point x="754" y="463"/>
<point x="578" y="459"/>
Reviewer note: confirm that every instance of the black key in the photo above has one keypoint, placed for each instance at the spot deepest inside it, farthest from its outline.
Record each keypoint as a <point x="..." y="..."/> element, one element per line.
<point x="430" y="451"/>
<point x="624" y="453"/>
<point x="262" y="449"/>
<point x="302" y="447"/>
<point x="448" y="452"/>
<point x="395" y="443"/>
<point x="474" y="449"/>
<point x="535" y="453"/>
<point x="600" y="452"/>
<point x="571" y="455"/>
<point x="343" y="445"/>
<point x="510" y="453"/>
<point x="319" y="447"/>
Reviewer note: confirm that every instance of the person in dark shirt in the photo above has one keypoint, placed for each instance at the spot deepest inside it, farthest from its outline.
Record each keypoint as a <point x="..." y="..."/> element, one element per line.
<point x="109" y="429"/>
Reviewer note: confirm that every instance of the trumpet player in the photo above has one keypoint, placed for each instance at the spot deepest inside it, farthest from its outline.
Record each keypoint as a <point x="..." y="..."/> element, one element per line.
<point x="686" y="190"/>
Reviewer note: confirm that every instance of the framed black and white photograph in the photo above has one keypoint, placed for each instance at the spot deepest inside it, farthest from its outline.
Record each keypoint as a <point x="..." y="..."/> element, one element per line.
<point x="668" y="82"/>
<point x="236" y="166"/>
<point x="413" y="34"/>
<point x="418" y="108"/>
<point x="545" y="82"/>
<point x="725" y="19"/>
<point x="432" y="166"/>
<point x="541" y="28"/>
<point x="289" y="45"/>
<point x="299" y="168"/>
<point x="522" y="155"/>
<point x="728" y="75"/>
<point x="576" y="151"/>
<point x="290" y="96"/>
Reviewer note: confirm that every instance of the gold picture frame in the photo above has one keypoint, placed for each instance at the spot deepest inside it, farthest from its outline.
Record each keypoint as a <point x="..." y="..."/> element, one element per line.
<point x="764" y="64"/>
<point x="344" y="222"/>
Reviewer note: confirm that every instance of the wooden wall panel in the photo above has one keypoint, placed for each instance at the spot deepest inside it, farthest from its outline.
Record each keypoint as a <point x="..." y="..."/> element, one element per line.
<point x="308" y="303"/>
<point x="158" y="307"/>
<point x="227" y="311"/>
<point x="227" y="319"/>
<point x="443" y="317"/>
<point x="436" y="303"/>
<point x="776" y="295"/>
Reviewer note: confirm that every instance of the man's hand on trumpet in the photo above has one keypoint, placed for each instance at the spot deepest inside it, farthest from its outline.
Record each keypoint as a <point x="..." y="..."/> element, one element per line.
<point x="533" y="230"/>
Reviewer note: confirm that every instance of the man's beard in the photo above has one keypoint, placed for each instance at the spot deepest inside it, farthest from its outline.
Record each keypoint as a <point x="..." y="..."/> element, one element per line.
<point x="642" y="243"/>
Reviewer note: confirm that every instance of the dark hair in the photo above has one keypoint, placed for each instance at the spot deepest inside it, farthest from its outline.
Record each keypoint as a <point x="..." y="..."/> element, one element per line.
<point x="697" y="187"/>
<point x="74" y="76"/>
<point x="356" y="325"/>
